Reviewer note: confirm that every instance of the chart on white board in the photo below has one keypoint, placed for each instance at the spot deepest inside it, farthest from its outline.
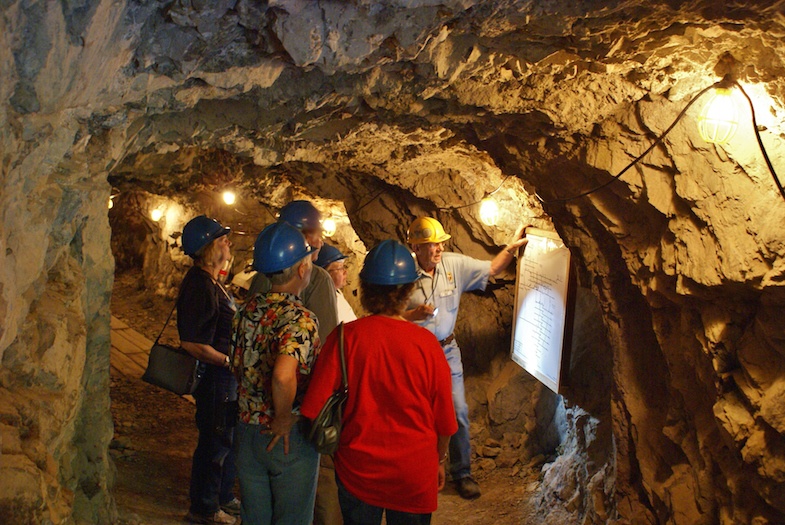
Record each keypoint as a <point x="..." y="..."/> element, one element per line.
<point x="542" y="306"/>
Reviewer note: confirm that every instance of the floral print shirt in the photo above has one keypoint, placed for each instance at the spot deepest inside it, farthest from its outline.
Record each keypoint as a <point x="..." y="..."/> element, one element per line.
<point x="268" y="325"/>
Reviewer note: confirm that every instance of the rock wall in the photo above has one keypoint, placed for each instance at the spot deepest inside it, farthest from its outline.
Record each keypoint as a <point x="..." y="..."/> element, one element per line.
<point x="55" y="425"/>
<point x="384" y="111"/>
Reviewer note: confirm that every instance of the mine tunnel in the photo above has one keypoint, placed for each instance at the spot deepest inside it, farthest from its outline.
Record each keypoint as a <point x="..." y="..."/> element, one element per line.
<point x="122" y="121"/>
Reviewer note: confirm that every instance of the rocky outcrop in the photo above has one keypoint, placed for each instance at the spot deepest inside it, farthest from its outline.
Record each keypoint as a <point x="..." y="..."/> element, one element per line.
<point x="381" y="111"/>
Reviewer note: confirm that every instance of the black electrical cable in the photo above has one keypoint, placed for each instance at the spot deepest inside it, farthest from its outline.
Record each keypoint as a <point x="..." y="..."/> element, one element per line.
<point x="760" y="141"/>
<point x="479" y="201"/>
<point x="639" y="157"/>
<point x="366" y="203"/>
<point x="724" y="83"/>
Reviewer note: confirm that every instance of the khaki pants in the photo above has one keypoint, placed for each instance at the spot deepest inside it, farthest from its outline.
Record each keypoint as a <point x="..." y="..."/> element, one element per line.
<point x="327" y="511"/>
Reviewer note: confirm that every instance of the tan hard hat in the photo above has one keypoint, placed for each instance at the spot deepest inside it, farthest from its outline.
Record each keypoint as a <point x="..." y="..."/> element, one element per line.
<point x="424" y="230"/>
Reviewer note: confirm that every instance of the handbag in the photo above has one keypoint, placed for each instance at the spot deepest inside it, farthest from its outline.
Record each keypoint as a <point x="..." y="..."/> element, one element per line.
<point x="172" y="368"/>
<point x="326" y="428"/>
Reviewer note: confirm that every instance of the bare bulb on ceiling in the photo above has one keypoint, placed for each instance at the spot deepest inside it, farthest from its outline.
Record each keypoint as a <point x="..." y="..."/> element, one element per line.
<point x="329" y="227"/>
<point x="229" y="197"/>
<point x="489" y="212"/>
<point x="719" y="118"/>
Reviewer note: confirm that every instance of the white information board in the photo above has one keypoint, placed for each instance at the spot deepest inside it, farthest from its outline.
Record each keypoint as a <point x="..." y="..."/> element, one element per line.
<point x="543" y="307"/>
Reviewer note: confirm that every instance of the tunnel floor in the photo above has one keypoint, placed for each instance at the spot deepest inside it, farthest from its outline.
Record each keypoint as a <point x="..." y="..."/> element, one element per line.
<point x="155" y="436"/>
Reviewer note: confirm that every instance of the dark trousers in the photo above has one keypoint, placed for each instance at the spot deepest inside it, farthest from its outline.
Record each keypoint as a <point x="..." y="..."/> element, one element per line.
<point x="357" y="512"/>
<point x="213" y="470"/>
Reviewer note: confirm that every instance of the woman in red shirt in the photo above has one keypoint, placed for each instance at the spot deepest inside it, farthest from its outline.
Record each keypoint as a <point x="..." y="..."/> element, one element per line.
<point x="399" y="416"/>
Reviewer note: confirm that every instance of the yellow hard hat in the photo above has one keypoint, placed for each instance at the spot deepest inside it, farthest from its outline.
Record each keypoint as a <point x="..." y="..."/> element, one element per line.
<point x="424" y="230"/>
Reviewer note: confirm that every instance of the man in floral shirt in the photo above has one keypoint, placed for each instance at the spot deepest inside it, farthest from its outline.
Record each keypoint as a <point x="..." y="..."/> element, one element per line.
<point x="274" y="344"/>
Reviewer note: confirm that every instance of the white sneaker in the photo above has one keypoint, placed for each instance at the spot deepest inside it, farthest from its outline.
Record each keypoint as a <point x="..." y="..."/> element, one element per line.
<point x="232" y="508"/>
<point x="219" y="518"/>
<point x="222" y="518"/>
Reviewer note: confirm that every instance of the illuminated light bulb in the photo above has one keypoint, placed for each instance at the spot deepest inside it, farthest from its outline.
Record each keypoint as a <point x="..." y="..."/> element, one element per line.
<point x="229" y="197"/>
<point x="719" y="119"/>
<point x="156" y="214"/>
<point x="111" y="203"/>
<point x="329" y="227"/>
<point x="489" y="212"/>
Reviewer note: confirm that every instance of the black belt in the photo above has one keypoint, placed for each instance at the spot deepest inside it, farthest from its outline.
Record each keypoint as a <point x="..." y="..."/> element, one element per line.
<point x="447" y="340"/>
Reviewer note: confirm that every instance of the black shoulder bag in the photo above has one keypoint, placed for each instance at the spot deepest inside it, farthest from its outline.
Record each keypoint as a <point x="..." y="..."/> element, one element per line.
<point x="172" y="368"/>
<point x="326" y="428"/>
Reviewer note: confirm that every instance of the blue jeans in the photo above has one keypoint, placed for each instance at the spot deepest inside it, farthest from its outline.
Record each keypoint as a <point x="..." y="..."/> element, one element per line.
<point x="276" y="488"/>
<point x="213" y="468"/>
<point x="357" y="512"/>
<point x="460" y="443"/>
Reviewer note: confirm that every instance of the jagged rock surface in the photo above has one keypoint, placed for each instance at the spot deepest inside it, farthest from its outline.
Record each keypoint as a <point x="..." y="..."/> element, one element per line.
<point x="381" y="111"/>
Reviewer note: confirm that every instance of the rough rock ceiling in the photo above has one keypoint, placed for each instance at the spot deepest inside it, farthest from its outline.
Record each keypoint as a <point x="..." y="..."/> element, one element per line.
<point x="411" y="95"/>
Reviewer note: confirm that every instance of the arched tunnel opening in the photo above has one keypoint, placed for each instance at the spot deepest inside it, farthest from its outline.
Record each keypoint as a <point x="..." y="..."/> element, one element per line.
<point x="518" y="425"/>
<point x="574" y="117"/>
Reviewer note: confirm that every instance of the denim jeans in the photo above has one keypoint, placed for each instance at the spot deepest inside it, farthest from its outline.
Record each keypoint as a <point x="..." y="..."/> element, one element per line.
<point x="276" y="488"/>
<point x="213" y="468"/>
<point x="357" y="512"/>
<point x="460" y="443"/>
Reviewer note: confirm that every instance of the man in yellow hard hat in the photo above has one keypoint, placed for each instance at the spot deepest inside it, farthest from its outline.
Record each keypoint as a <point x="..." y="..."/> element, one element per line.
<point x="434" y="305"/>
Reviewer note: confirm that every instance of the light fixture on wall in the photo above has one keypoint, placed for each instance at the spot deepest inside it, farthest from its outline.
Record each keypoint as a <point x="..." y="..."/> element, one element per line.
<point x="229" y="197"/>
<point x="489" y="211"/>
<point x="719" y="118"/>
<point x="329" y="227"/>
<point x="112" y="196"/>
<point x="156" y="214"/>
<point x="489" y="208"/>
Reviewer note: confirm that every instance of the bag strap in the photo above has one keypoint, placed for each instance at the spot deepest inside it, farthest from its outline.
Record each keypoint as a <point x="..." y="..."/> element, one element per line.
<point x="166" y="323"/>
<point x="174" y="306"/>
<point x="169" y="317"/>
<point x="344" y="375"/>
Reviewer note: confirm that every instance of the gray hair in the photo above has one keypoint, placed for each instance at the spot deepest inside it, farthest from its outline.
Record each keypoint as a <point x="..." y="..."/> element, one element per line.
<point x="285" y="275"/>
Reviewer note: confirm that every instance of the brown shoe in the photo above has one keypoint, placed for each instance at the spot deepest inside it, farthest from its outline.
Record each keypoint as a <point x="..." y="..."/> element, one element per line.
<point x="467" y="488"/>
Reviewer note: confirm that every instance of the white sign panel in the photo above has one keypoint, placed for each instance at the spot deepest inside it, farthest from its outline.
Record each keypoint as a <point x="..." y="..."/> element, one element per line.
<point x="541" y="307"/>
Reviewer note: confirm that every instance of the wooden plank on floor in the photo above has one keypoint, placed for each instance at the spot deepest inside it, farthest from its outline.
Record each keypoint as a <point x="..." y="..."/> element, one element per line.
<point x="135" y="338"/>
<point x="124" y="345"/>
<point x="116" y="323"/>
<point x="140" y="359"/>
<point x="125" y="364"/>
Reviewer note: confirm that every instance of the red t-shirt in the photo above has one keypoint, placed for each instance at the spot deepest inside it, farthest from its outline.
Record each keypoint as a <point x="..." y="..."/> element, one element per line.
<point x="400" y="400"/>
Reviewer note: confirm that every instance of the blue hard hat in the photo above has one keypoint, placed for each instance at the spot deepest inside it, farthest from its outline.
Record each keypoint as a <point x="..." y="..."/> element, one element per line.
<point x="327" y="255"/>
<point x="279" y="246"/>
<point x="389" y="262"/>
<point x="199" y="232"/>
<point x="302" y="215"/>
